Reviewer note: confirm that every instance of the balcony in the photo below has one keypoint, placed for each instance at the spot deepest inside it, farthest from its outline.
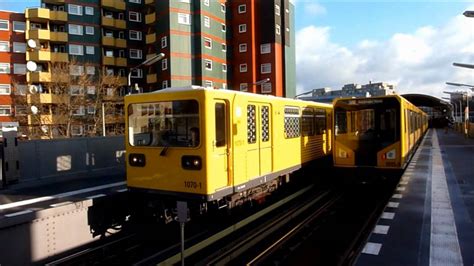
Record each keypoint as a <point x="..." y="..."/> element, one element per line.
<point x="108" y="61"/>
<point x="38" y="55"/>
<point x="150" y="38"/>
<point x="38" y="77"/>
<point x="120" y="61"/>
<point x="44" y="14"/>
<point x="151" y="78"/>
<point x="59" y="36"/>
<point x="111" y="41"/>
<point x="59" y="57"/>
<point x="46" y="98"/>
<point x="113" y="4"/>
<point x="149" y="2"/>
<point x="150" y="18"/>
<point x="114" y="23"/>
<point x="38" y="34"/>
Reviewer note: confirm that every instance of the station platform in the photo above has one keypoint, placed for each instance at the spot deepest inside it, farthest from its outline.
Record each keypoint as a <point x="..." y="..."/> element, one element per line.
<point x="429" y="219"/>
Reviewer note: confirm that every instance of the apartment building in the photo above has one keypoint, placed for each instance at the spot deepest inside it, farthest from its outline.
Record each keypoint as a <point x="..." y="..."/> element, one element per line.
<point x="223" y="44"/>
<point x="12" y="61"/>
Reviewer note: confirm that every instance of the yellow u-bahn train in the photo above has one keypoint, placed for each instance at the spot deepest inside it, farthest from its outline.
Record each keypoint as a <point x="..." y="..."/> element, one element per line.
<point x="378" y="132"/>
<point x="219" y="147"/>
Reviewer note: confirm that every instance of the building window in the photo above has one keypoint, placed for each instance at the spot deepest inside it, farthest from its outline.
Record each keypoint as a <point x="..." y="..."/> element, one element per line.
<point x="206" y="2"/>
<point x="19" y="26"/>
<point x="5" y="110"/>
<point x="224" y="47"/>
<point x="223" y="28"/>
<point x="277" y="10"/>
<point x="243" y="67"/>
<point x="4" y="68"/>
<point x="76" y="70"/>
<point x="135" y="53"/>
<point x="164" y="84"/>
<point x="90" y="50"/>
<point x="134" y="16"/>
<point x="91" y="109"/>
<point x="266" y="68"/>
<point x="242" y="9"/>
<point x="208" y="84"/>
<point x="77" y="130"/>
<point x="5" y="89"/>
<point x="208" y="43"/>
<point x="75" y="10"/>
<point x="137" y="73"/>
<point x="20" y="110"/>
<point x="224" y="67"/>
<point x="207" y="22"/>
<point x="109" y="53"/>
<point x="164" y="42"/>
<point x="243" y="47"/>
<point x="242" y="28"/>
<point x="19" y="47"/>
<point x="244" y="87"/>
<point x="223" y="8"/>
<point x="89" y="30"/>
<point x="267" y="87"/>
<point x="90" y="70"/>
<point x="164" y="64"/>
<point x="265" y="48"/>
<point x="75" y="49"/>
<point x="19" y="69"/>
<point x="277" y="29"/>
<point x="4" y="25"/>
<point x="208" y="64"/>
<point x="20" y="89"/>
<point x="75" y="29"/>
<point x="184" y="19"/>
<point x="89" y="10"/>
<point x="135" y="35"/>
<point x="4" y="47"/>
<point x="91" y="90"/>
<point x="76" y="90"/>
<point x="135" y="1"/>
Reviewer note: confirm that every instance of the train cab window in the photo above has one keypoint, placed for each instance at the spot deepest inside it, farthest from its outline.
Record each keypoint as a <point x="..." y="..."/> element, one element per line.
<point x="307" y="122"/>
<point x="341" y="122"/>
<point x="251" y="124"/>
<point x="292" y="122"/>
<point x="164" y="124"/>
<point x="320" y="121"/>
<point x="220" y="113"/>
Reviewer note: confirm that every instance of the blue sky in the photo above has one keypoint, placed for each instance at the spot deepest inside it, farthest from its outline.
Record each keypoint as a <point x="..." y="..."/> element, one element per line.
<point x="411" y="44"/>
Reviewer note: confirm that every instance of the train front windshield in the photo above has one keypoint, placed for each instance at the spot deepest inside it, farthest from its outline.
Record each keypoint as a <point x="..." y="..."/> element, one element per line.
<point x="164" y="124"/>
<point x="367" y="126"/>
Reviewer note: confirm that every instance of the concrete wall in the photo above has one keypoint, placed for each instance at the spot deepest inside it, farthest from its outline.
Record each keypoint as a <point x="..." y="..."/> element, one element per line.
<point x="71" y="158"/>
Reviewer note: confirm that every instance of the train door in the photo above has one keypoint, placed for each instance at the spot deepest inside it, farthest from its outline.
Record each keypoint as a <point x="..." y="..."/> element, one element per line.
<point x="221" y="142"/>
<point x="259" y="149"/>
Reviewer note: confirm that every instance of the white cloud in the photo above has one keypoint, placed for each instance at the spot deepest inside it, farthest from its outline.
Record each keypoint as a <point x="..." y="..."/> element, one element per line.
<point x="314" y="9"/>
<point x="417" y="62"/>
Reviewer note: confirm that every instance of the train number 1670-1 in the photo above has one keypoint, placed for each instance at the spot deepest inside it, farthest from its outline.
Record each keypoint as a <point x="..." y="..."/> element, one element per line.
<point x="192" y="184"/>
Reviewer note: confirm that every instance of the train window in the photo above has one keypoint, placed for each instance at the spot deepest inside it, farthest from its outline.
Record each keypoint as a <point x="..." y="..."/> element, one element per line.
<point x="220" y="113"/>
<point x="292" y="122"/>
<point x="320" y="121"/>
<point x="307" y="122"/>
<point x="251" y="124"/>
<point x="265" y="123"/>
<point x="164" y="124"/>
<point x="341" y="122"/>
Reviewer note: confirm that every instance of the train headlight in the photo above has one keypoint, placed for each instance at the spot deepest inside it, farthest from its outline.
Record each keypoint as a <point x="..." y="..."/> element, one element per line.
<point x="390" y="155"/>
<point x="342" y="154"/>
<point x="189" y="162"/>
<point x="137" y="159"/>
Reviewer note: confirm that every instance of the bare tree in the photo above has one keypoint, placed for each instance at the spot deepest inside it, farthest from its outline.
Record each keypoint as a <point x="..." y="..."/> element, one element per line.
<point x="71" y="104"/>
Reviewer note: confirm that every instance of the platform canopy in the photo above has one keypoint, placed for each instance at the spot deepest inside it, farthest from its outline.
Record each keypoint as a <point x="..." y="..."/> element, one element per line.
<point x="428" y="101"/>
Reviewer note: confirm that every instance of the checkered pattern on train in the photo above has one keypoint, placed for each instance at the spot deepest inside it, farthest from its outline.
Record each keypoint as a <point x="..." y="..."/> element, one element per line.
<point x="251" y="124"/>
<point x="292" y="127"/>
<point x="265" y="123"/>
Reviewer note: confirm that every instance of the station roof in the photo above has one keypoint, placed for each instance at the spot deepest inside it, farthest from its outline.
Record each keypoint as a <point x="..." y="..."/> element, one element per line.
<point x="427" y="100"/>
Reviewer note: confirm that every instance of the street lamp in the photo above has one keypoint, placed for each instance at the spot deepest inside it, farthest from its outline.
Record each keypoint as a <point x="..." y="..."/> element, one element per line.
<point x="150" y="61"/>
<point x="463" y="65"/>
<point x="260" y="83"/>
<point x="469" y="14"/>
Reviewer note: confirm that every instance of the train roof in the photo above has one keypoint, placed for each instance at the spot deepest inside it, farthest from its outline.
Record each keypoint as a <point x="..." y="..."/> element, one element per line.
<point x="200" y="88"/>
